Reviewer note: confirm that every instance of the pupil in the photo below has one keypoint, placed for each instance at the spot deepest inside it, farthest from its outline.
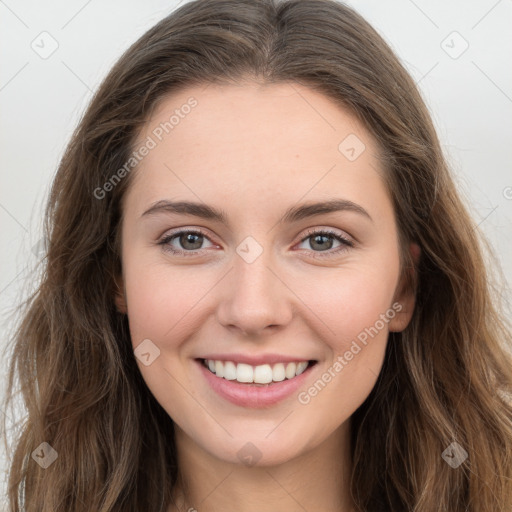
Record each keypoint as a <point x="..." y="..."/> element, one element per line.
<point x="189" y="238"/>
<point x="321" y="241"/>
<point x="321" y="245"/>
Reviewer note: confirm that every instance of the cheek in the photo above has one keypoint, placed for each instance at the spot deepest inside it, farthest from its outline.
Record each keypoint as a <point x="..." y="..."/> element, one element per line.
<point x="160" y="298"/>
<point x="163" y="304"/>
<point x="341" y="302"/>
<point x="349" y="300"/>
<point x="357" y="312"/>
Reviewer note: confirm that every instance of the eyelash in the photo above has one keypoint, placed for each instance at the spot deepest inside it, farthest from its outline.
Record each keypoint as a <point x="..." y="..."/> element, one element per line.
<point x="345" y="242"/>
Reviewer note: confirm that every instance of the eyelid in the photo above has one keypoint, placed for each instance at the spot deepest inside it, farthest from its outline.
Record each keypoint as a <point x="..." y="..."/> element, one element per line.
<point x="343" y="235"/>
<point x="346" y="240"/>
<point x="166" y="238"/>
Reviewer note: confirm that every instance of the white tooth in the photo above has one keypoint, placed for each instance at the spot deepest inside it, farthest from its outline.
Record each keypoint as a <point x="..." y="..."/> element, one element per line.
<point x="229" y="370"/>
<point x="219" y="369"/>
<point x="278" y="373"/>
<point x="263" y="374"/>
<point x="290" y="370"/>
<point x="244" y="373"/>
<point x="301" y="367"/>
<point x="211" y="365"/>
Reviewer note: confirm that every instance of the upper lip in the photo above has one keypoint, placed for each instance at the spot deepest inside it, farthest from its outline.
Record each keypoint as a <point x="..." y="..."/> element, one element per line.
<point x="256" y="360"/>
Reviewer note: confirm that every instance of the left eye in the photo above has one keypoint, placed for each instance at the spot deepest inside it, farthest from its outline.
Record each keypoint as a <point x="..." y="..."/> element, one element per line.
<point x="321" y="241"/>
<point x="188" y="241"/>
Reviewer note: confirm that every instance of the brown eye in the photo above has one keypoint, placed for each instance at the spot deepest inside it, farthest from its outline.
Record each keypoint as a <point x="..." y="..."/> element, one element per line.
<point x="185" y="242"/>
<point x="192" y="241"/>
<point x="323" y="241"/>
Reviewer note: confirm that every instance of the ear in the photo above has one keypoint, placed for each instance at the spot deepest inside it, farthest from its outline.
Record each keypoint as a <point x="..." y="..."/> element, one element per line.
<point x="119" y="295"/>
<point x="405" y="294"/>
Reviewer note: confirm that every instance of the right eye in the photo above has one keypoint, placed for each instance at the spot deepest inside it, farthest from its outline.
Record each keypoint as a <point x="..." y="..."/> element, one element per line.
<point x="189" y="240"/>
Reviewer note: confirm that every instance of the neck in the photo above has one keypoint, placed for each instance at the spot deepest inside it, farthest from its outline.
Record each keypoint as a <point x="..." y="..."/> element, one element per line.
<point x="316" y="480"/>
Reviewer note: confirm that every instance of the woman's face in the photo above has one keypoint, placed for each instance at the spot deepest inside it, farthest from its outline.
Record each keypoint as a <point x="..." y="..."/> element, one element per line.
<point x="241" y="269"/>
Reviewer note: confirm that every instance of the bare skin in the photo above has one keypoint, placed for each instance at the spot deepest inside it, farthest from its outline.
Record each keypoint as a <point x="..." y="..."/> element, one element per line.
<point x="253" y="152"/>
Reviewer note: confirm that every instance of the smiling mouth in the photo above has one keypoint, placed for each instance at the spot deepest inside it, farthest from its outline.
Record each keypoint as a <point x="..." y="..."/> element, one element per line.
<point x="261" y="375"/>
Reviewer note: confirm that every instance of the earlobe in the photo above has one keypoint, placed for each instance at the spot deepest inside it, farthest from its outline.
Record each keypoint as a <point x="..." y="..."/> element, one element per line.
<point x="405" y="296"/>
<point x="119" y="296"/>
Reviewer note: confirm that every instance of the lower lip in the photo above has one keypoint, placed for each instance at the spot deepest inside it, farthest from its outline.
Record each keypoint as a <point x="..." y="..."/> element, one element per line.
<point x="255" y="396"/>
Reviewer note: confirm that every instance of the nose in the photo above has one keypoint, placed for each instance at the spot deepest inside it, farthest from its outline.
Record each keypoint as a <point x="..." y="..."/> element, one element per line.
<point x="255" y="298"/>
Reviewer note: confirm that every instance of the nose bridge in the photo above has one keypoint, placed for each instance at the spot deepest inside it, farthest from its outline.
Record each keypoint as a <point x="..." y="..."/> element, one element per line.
<point x="255" y="298"/>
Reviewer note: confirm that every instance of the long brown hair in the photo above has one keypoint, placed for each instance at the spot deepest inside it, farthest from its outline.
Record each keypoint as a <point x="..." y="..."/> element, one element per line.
<point x="446" y="379"/>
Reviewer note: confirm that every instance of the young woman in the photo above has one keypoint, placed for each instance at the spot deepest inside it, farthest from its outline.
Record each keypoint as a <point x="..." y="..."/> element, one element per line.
<point x="261" y="291"/>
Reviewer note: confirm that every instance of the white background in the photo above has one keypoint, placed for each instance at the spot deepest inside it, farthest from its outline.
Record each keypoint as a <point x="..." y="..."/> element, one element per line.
<point x="41" y="100"/>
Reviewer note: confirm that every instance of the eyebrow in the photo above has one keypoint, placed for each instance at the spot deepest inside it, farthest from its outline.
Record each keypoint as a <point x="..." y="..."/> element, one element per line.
<point x="293" y="214"/>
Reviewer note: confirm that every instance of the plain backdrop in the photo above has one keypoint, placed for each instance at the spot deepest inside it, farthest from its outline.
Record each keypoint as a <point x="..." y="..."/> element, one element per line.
<point x="54" y="54"/>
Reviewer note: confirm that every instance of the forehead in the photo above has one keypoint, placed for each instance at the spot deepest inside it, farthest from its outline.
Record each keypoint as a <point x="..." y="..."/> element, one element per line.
<point x="274" y="118"/>
<point x="252" y="142"/>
